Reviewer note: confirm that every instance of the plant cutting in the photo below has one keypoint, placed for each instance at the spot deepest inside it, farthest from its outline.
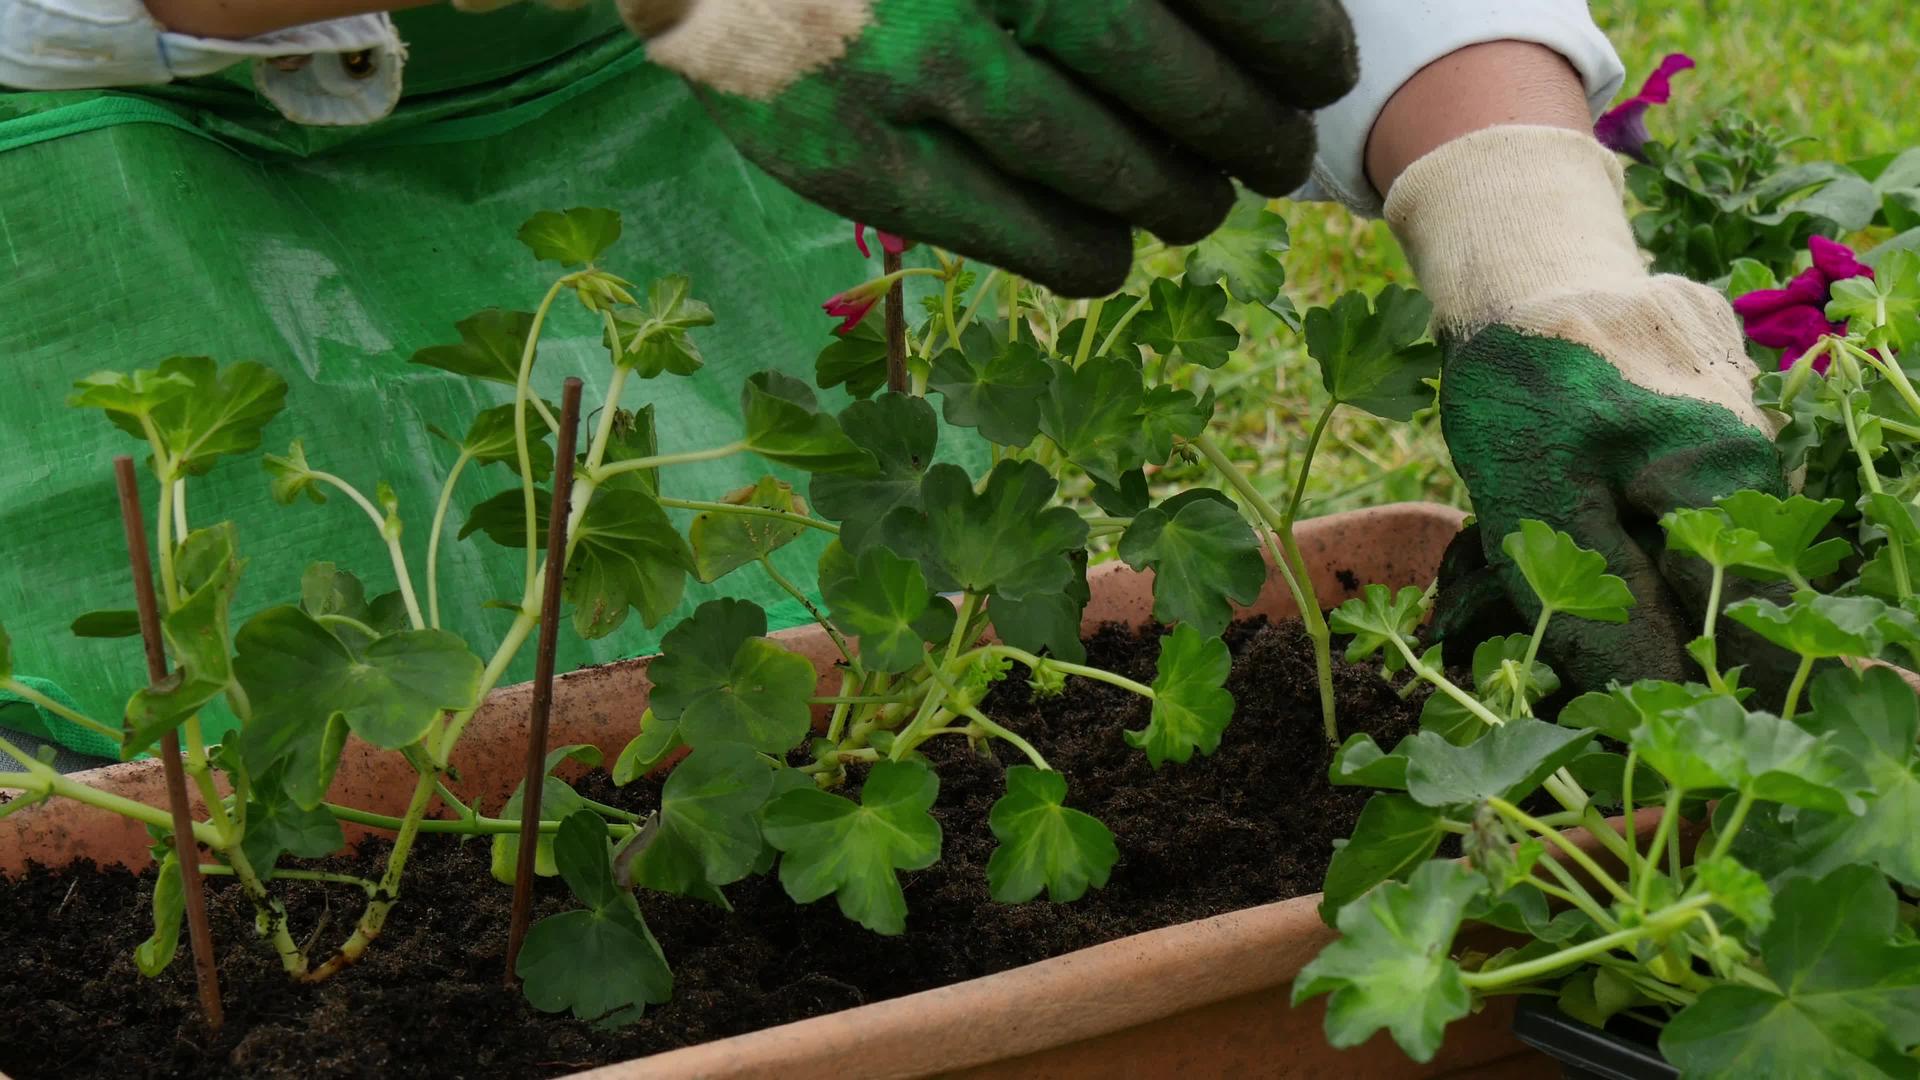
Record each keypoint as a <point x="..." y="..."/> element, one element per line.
<point x="947" y="580"/>
<point x="1804" y="800"/>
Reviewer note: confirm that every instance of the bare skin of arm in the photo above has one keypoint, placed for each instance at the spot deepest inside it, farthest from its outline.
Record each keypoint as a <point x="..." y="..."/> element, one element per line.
<point x="1480" y="86"/>
<point x="249" y="18"/>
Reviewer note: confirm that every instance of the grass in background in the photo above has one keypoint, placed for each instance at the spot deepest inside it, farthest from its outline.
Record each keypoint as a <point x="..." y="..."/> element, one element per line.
<point x="1838" y="72"/>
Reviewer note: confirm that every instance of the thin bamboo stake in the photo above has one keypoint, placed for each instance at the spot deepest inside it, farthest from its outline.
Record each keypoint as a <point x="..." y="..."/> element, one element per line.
<point x="205" y="973"/>
<point x="543" y="671"/>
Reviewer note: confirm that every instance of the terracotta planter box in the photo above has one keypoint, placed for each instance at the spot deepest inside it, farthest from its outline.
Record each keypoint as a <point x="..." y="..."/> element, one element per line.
<point x="1207" y="998"/>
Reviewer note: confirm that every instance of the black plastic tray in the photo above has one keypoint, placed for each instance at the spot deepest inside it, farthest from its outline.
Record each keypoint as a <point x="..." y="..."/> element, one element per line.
<point x="1586" y="1052"/>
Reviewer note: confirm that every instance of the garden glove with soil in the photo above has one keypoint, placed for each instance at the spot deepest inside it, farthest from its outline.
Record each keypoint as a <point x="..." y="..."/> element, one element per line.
<point x="1582" y="391"/>
<point x="1028" y="134"/>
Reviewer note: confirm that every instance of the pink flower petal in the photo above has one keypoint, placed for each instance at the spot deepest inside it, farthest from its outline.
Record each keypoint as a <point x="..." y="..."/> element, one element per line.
<point x="1795" y="328"/>
<point x="889" y="242"/>
<point x="860" y="240"/>
<point x="1836" y="260"/>
<point x="1623" y="128"/>
<point x="1807" y="289"/>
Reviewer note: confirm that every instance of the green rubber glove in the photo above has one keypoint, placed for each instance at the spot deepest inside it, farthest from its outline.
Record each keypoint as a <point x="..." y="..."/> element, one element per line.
<point x="1580" y="391"/>
<point x="1029" y="134"/>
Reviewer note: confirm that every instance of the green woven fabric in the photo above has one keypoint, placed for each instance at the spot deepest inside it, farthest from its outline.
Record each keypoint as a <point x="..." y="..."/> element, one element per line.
<point x="192" y="220"/>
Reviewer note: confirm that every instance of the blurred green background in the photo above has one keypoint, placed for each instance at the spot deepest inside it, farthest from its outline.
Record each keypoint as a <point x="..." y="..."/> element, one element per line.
<point x="1840" y="73"/>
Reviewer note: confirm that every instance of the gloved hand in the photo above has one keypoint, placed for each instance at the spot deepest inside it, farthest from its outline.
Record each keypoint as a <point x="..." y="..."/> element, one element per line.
<point x="1579" y="390"/>
<point x="1025" y="133"/>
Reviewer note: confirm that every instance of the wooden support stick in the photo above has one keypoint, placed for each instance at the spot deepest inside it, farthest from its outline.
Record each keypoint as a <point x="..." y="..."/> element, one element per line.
<point x="206" y="974"/>
<point x="543" y="671"/>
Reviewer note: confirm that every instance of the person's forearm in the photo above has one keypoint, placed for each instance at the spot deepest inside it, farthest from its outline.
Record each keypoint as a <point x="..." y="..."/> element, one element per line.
<point x="1481" y="86"/>
<point x="250" y="18"/>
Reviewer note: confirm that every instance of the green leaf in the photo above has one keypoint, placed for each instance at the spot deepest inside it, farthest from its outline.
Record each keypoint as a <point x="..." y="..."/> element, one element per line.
<point x="153" y="955"/>
<point x="490" y="440"/>
<point x="196" y="637"/>
<point x="857" y="359"/>
<point x="1890" y="298"/>
<point x="709" y="828"/>
<point x="1371" y="355"/>
<point x="1048" y="622"/>
<point x="1376" y="617"/>
<point x="1204" y="556"/>
<point x="883" y="600"/>
<point x="1827" y="626"/>
<point x="1501" y="681"/>
<point x="1715" y="743"/>
<point x="991" y="385"/>
<point x="1749" y="275"/>
<point x="1191" y="706"/>
<point x="557" y="801"/>
<point x="298" y="673"/>
<point x="900" y="431"/>
<point x="1243" y="253"/>
<point x="1618" y="712"/>
<point x="833" y="845"/>
<point x="723" y="542"/>
<point x="291" y="476"/>
<point x="107" y="624"/>
<point x="1185" y="321"/>
<point x="1126" y="499"/>
<point x="1847" y="1001"/>
<point x="784" y="424"/>
<point x="627" y="554"/>
<point x="599" y="962"/>
<point x="1093" y="415"/>
<point x="1044" y="843"/>
<point x="1788" y="527"/>
<point x="198" y="410"/>
<point x="1004" y="540"/>
<point x="1390" y="967"/>
<point x="1741" y="891"/>
<point x="645" y="751"/>
<point x="1565" y="576"/>
<point x="1508" y="763"/>
<point x="1167" y="414"/>
<point x="722" y="681"/>
<point x="491" y="344"/>
<point x="1394" y="836"/>
<point x="1711" y="535"/>
<point x="277" y="825"/>
<point x="1359" y="762"/>
<point x="570" y="237"/>
<point x="632" y="438"/>
<point x="1873" y="717"/>
<point x="653" y="339"/>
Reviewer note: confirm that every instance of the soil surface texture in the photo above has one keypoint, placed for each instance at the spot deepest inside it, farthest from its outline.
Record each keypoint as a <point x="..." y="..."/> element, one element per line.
<point x="1251" y="824"/>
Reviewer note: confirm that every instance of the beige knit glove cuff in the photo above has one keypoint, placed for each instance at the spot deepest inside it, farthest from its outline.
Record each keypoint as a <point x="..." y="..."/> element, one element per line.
<point x="1525" y="226"/>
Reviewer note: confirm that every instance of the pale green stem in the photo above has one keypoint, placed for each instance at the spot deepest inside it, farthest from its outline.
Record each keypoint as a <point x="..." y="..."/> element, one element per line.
<point x="1734" y="821"/>
<point x="1566" y="846"/>
<point x="839" y="642"/>
<point x="433" y="539"/>
<point x="38" y="779"/>
<point x="662" y="460"/>
<point x="969" y="605"/>
<point x="980" y="721"/>
<point x="1660" y="831"/>
<point x="1661" y="923"/>
<point x="1306" y="464"/>
<point x="286" y="874"/>
<point x="750" y="511"/>
<point x="609" y="411"/>
<point x="29" y="694"/>
<point x="523" y="624"/>
<point x="1090" y="327"/>
<point x="394" y="553"/>
<point x="1799" y="683"/>
<point x="522" y="393"/>
<point x="1533" y="644"/>
<point x="1065" y="668"/>
<point x="164" y="545"/>
<point x="180" y="508"/>
<point x="1113" y="335"/>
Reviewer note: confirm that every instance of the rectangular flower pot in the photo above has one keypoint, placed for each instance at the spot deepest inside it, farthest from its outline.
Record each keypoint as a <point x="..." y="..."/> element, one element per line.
<point x="1586" y="1052"/>
<point x="1205" y="998"/>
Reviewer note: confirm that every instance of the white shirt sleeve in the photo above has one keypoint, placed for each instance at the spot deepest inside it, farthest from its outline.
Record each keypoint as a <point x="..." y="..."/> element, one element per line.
<point x="341" y="71"/>
<point x="1397" y="38"/>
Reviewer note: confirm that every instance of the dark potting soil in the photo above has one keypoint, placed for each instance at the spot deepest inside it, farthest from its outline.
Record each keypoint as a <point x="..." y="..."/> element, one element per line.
<point x="1251" y="824"/>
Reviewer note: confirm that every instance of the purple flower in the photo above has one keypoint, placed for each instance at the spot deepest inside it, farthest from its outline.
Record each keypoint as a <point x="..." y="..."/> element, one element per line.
<point x="889" y="243"/>
<point x="1624" y="127"/>
<point x="1794" y="319"/>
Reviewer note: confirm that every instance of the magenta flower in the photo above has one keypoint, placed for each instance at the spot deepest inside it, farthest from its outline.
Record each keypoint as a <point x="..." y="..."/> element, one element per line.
<point x="852" y="306"/>
<point x="1794" y="319"/>
<point x="1624" y="127"/>
<point x="889" y="243"/>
